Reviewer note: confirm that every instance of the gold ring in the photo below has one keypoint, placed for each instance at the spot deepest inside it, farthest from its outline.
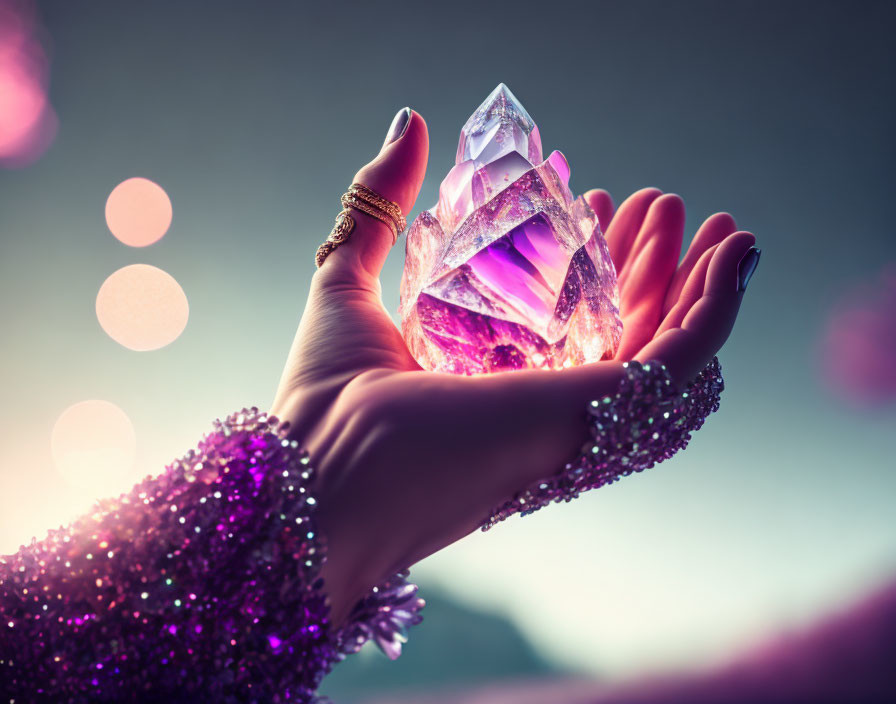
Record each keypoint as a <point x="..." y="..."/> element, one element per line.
<point x="373" y="198"/>
<point x="339" y="234"/>
<point x="368" y="201"/>
<point x="349" y="200"/>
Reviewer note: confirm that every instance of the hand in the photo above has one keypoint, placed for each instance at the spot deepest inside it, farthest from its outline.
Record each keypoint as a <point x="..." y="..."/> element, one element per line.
<point x="680" y="314"/>
<point x="410" y="461"/>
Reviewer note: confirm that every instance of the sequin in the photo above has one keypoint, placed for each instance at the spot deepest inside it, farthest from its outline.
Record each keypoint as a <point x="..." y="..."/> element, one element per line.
<point x="204" y="588"/>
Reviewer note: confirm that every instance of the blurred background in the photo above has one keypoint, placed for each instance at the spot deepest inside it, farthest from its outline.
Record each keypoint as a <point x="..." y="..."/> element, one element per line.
<point x="209" y="143"/>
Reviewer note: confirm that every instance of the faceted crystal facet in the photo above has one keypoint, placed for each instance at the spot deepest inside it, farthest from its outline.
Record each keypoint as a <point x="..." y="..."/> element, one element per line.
<point x="508" y="270"/>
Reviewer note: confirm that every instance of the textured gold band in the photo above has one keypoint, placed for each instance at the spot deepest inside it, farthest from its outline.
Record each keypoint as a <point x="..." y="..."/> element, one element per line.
<point x="349" y="200"/>
<point x="339" y="234"/>
<point x="359" y="190"/>
<point x="365" y="200"/>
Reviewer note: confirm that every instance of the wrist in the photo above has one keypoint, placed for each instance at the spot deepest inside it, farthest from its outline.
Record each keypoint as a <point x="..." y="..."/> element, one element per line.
<point x="645" y="421"/>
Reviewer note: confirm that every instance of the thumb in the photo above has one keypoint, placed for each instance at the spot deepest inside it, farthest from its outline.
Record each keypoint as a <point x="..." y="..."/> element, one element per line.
<point x="396" y="174"/>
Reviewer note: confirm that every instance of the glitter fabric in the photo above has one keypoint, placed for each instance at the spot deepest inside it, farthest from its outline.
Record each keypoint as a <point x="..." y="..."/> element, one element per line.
<point x="509" y="270"/>
<point x="199" y="585"/>
<point x="647" y="421"/>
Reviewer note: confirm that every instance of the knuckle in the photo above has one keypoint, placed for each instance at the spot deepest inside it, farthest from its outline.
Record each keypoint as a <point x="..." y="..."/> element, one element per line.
<point x="340" y="280"/>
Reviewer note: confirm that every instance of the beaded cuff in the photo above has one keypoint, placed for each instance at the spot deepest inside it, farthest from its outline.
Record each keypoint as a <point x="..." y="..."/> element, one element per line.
<point x="200" y="584"/>
<point x="647" y="421"/>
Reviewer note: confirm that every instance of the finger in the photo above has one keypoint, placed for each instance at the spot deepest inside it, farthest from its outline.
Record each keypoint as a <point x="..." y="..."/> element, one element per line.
<point x="645" y="279"/>
<point x="602" y="204"/>
<point x="722" y="293"/>
<point x="396" y="174"/>
<point x="687" y="349"/>
<point x="716" y="228"/>
<point x="690" y="293"/>
<point x="623" y="228"/>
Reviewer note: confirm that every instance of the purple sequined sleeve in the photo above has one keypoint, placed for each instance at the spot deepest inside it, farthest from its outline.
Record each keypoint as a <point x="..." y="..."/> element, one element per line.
<point x="199" y="585"/>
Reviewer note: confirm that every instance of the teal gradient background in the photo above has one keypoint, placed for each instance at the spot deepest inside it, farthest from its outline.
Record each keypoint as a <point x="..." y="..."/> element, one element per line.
<point x="255" y="116"/>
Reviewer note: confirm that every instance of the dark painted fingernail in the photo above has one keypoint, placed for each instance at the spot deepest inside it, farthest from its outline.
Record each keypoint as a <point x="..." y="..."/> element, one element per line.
<point x="747" y="266"/>
<point x="399" y="125"/>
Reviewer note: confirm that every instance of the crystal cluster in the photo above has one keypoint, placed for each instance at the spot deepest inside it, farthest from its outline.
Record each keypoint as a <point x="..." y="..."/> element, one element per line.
<point x="199" y="585"/>
<point x="508" y="270"/>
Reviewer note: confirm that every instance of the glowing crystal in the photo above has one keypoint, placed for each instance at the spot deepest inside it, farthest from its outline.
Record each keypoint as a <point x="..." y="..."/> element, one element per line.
<point x="508" y="270"/>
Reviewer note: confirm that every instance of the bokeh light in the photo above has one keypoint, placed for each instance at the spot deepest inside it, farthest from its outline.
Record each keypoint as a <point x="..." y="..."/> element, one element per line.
<point x="94" y="447"/>
<point x="138" y="212"/>
<point x="858" y="348"/>
<point x="27" y="121"/>
<point x="142" y="307"/>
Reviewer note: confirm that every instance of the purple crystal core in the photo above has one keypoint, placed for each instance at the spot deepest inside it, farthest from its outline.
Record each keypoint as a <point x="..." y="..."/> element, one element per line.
<point x="508" y="270"/>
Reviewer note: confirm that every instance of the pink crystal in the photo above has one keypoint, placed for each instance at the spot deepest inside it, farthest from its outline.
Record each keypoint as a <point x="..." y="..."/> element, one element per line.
<point x="508" y="270"/>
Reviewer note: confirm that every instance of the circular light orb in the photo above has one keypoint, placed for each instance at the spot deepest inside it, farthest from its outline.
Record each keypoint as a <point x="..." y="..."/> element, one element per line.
<point x="94" y="446"/>
<point x="138" y="212"/>
<point x="27" y="121"/>
<point x="23" y="101"/>
<point x="858" y="348"/>
<point x="142" y="307"/>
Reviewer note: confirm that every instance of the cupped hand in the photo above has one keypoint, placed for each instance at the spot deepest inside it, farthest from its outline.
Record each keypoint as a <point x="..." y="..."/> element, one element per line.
<point x="410" y="461"/>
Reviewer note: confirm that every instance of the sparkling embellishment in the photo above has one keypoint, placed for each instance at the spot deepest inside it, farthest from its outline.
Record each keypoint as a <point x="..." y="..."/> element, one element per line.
<point x="645" y="422"/>
<point x="384" y="615"/>
<point x="199" y="585"/>
<point x="508" y="270"/>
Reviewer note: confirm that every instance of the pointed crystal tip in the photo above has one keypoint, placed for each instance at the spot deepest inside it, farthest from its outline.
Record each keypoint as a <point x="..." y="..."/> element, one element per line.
<point x="498" y="126"/>
<point x="501" y="96"/>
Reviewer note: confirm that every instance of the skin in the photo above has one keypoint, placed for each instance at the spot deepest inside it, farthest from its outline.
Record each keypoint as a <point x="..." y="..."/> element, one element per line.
<point x="410" y="461"/>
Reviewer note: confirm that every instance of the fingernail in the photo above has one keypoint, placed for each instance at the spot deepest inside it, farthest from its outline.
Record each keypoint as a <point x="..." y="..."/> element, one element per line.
<point x="747" y="266"/>
<point x="399" y="125"/>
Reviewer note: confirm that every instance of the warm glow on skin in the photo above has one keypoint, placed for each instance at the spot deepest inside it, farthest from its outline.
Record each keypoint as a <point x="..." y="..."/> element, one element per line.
<point x="142" y="307"/>
<point x="94" y="446"/>
<point x="138" y="212"/>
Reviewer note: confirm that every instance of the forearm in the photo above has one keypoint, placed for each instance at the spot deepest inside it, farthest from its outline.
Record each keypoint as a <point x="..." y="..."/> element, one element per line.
<point x="205" y="579"/>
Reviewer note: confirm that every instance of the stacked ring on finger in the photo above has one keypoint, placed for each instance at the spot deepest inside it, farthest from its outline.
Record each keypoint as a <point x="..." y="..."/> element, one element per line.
<point x="359" y="193"/>
<point x="368" y="201"/>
